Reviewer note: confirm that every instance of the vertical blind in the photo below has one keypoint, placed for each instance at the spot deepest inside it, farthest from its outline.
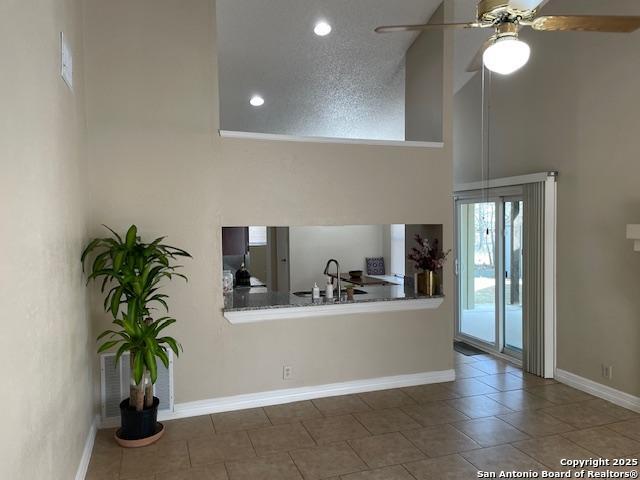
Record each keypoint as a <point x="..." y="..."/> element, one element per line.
<point x="533" y="360"/>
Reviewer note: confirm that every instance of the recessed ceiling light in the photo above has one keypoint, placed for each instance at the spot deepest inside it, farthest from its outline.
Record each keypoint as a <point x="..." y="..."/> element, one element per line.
<point x="256" y="101"/>
<point x="322" y="29"/>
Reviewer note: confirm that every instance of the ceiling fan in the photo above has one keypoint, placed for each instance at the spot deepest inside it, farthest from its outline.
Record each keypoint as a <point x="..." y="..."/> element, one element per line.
<point x="503" y="52"/>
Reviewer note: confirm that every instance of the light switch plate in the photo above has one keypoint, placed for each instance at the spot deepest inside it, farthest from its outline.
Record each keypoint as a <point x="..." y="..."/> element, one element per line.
<point x="66" y="62"/>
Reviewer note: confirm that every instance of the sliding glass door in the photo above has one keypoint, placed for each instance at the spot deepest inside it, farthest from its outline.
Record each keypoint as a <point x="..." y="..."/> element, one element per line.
<point x="477" y="228"/>
<point x="489" y="273"/>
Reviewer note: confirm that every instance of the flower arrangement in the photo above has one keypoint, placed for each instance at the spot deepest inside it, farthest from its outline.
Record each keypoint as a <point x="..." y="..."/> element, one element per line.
<point x="427" y="257"/>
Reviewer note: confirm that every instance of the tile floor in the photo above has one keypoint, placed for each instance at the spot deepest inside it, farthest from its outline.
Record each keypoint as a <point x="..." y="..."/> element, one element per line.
<point x="493" y="417"/>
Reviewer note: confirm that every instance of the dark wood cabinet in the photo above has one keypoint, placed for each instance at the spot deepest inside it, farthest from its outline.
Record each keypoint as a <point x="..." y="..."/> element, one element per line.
<point x="235" y="240"/>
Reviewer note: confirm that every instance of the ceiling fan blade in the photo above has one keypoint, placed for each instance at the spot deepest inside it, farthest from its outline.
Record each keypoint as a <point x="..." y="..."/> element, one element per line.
<point x="428" y="26"/>
<point x="586" y="23"/>
<point x="476" y="62"/>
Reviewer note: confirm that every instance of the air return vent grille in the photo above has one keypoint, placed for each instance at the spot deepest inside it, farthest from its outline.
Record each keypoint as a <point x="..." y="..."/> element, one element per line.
<point x="114" y="386"/>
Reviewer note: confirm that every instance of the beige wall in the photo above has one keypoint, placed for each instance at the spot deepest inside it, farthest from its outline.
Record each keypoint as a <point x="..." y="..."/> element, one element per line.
<point x="45" y="338"/>
<point x="423" y="84"/>
<point x="574" y="109"/>
<point x="157" y="160"/>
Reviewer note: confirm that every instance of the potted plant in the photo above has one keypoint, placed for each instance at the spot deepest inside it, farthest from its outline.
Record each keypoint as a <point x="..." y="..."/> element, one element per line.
<point x="132" y="273"/>
<point x="428" y="258"/>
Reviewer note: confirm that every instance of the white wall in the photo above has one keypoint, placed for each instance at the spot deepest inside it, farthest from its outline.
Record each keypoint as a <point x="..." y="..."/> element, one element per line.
<point x="311" y="247"/>
<point x="46" y="341"/>
<point x="574" y="108"/>
<point x="156" y="160"/>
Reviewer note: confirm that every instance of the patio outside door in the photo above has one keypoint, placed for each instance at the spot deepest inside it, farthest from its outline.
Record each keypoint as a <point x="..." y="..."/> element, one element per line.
<point x="489" y="269"/>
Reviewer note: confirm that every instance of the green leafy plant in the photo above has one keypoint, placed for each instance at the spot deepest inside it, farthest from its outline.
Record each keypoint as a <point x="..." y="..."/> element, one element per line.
<point x="132" y="273"/>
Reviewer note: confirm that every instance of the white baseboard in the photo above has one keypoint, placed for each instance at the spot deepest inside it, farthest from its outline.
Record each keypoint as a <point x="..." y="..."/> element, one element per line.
<point x="275" y="397"/>
<point x="88" y="448"/>
<point x="612" y="395"/>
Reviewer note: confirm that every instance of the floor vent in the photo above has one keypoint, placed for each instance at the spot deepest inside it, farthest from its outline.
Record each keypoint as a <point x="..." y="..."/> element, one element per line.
<point x="114" y="386"/>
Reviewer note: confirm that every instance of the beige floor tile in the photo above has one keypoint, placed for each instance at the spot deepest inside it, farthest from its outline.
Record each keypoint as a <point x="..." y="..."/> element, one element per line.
<point x="387" y="398"/>
<point x="220" y="447"/>
<point x="325" y="461"/>
<point x="532" y="380"/>
<point x="536" y="423"/>
<point x="188" y="428"/>
<point x="204" y="472"/>
<point x="490" y="431"/>
<point x="105" y="442"/>
<point x="397" y="472"/>
<point x="460" y="358"/>
<point x="434" y="413"/>
<point x="341" y="405"/>
<point x="335" y="429"/>
<point x="453" y="467"/>
<point x="495" y="366"/>
<point x="551" y="450"/>
<point x="387" y="449"/>
<point x="384" y="421"/>
<point x="604" y="442"/>
<point x="466" y="370"/>
<point x="104" y="465"/>
<point x="519" y="400"/>
<point x="280" y="438"/>
<point x="470" y="386"/>
<point x="502" y="458"/>
<point x="272" y="467"/>
<point x="612" y="409"/>
<point x="440" y="440"/>
<point x="240" y="420"/>
<point x="292" y="412"/>
<point x="579" y="415"/>
<point x="478" y="406"/>
<point x="629" y="428"/>
<point x="163" y="456"/>
<point x="502" y="381"/>
<point x="431" y="392"/>
<point x="559" y="393"/>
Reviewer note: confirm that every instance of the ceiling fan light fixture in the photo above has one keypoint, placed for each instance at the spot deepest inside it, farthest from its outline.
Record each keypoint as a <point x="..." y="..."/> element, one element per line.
<point x="506" y="55"/>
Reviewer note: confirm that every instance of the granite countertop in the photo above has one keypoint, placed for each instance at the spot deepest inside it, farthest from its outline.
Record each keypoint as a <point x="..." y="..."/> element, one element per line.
<point x="243" y="299"/>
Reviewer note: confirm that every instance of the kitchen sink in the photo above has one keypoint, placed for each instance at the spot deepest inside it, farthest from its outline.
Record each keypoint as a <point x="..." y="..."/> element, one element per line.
<point x="309" y="293"/>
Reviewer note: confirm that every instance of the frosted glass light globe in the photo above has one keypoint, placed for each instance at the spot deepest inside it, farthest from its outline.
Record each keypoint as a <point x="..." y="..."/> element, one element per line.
<point x="322" y="29"/>
<point x="506" y="55"/>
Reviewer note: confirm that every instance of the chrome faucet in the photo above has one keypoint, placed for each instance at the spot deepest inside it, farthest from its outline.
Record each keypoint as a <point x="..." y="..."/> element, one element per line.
<point x="326" y="272"/>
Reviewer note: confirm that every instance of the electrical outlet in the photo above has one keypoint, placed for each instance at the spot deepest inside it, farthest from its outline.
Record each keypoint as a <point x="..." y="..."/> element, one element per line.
<point x="287" y="372"/>
<point x="607" y="371"/>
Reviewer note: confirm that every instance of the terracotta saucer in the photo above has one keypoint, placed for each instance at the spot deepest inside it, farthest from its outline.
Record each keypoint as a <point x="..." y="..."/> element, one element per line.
<point x="142" y="442"/>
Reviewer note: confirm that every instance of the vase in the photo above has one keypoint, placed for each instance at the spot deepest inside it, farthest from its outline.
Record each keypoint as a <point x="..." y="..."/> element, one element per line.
<point x="427" y="283"/>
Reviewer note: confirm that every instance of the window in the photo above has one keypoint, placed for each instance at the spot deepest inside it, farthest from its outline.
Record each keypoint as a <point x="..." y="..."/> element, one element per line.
<point x="397" y="249"/>
<point x="257" y="236"/>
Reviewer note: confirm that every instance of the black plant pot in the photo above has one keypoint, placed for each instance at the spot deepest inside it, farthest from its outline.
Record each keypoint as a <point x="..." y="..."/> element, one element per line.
<point x="136" y="425"/>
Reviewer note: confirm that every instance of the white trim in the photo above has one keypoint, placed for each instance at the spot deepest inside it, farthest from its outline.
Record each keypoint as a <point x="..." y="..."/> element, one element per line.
<point x="550" y="224"/>
<point x="307" y="139"/>
<point x="88" y="448"/>
<point x="504" y="182"/>
<point x="266" y="314"/>
<point x="275" y="397"/>
<point x="612" y="395"/>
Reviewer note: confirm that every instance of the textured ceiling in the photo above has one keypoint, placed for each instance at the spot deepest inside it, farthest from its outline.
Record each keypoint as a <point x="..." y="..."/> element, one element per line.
<point x="347" y="84"/>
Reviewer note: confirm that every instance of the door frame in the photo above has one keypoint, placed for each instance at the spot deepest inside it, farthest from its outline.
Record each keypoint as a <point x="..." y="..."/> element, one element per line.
<point x="550" y="179"/>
